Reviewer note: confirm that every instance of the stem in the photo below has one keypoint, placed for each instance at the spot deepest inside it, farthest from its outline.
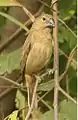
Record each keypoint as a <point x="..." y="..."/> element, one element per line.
<point x="67" y="95"/>
<point x="56" y="58"/>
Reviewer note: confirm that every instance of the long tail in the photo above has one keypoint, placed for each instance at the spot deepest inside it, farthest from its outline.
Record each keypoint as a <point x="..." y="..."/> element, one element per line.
<point x="30" y="83"/>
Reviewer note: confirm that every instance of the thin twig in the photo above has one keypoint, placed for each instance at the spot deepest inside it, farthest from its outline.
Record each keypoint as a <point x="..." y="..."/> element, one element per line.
<point x="67" y="27"/>
<point x="40" y="98"/>
<point x="45" y="4"/>
<point x="67" y="84"/>
<point x="67" y="95"/>
<point x="12" y="86"/>
<point x="5" y="92"/>
<point x="68" y="63"/>
<point x="73" y="60"/>
<point x="9" y="80"/>
<point x="45" y="103"/>
<point x="27" y="12"/>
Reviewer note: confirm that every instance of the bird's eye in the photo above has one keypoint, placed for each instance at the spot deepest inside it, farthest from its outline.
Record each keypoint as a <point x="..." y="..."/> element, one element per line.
<point x="44" y="18"/>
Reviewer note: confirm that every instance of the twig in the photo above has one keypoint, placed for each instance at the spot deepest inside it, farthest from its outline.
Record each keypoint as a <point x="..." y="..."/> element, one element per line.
<point x="32" y="18"/>
<point x="11" y="81"/>
<point x="45" y="103"/>
<point x="67" y="84"/>
<point x="73" y="60"/>
<point x="68" y="63"/>
<point x="33" y="100"/>
<point x="4" y="93"/>
<point x="67" y="27"/>
<point x="40" y="98"/>
<point x="56" y="58"/>
<point x="45" y="4"/>
<point x="12" y="86"/>
<point x="67" y="95"/>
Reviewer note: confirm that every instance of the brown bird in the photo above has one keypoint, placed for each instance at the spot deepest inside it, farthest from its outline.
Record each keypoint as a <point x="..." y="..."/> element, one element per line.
<point x="37" y="49"/>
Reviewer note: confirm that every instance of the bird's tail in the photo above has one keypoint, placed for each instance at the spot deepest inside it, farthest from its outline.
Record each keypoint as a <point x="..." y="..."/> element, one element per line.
<point x="30" y="83"/>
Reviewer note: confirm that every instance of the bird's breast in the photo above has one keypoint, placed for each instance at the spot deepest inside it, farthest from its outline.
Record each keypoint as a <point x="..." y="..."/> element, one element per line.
<point x="38" y="57"/>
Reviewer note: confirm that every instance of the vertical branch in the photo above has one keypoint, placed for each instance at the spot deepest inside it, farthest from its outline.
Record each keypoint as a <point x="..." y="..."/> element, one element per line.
<point x="56" y="58"/>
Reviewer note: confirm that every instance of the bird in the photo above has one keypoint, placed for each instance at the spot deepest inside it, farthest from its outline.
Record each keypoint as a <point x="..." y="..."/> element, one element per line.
<point x="37" y="49"/>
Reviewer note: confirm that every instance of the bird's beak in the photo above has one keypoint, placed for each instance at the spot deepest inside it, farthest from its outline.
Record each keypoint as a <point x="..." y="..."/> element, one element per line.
<point x="51" y="22"/>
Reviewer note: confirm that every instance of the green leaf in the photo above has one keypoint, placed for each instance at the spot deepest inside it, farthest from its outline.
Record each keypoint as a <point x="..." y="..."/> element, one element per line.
<point x="68" y="110"/>
<point x="47" y="86"/>
<point x="8" y="3"/>
<point x="66" y="36"/>
<point x="13" y="115"/>
<point x="47" y="116"/>
<point x="66" y="7"/>
<point x="20" y="102"/>
<point x="20" y="99"/>
<point x="9" y="61"/>
<point x="73" y="86"/>
<point x="72" y="76"/>
<point x="50" y="116"/>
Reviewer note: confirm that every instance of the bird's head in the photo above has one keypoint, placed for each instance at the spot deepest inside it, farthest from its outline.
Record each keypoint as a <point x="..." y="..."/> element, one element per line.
<point x="44" y="21"/>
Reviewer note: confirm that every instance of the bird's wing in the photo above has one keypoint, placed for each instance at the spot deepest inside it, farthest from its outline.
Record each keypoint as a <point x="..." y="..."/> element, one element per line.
<point x="25" y="52"/>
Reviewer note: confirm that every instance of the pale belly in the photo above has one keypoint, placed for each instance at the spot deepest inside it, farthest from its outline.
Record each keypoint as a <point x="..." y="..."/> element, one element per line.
<point x="38" y="58"/>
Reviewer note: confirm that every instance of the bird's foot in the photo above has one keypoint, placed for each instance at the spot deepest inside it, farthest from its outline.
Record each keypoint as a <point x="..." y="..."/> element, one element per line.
<point x="50" y="71"/>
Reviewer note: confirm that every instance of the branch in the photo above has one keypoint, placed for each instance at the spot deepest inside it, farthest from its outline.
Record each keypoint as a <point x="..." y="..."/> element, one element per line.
<point x="9" y="80"/>
<point x="56" y="58"/>
<point x="2" y="94"/>
<point x="68" y="63"/>
<point x="67" y="95"/>
<point x="67" y="27"/>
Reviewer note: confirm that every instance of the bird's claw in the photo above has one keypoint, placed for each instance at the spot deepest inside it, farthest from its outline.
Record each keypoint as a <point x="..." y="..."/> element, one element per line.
<point x="50" y="71"/>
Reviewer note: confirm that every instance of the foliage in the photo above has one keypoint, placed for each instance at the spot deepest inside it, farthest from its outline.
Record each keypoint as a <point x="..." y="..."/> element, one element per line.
<point x="67" y="41"/>
<point x="13" y="116"/>
<point x="7" y="63"/>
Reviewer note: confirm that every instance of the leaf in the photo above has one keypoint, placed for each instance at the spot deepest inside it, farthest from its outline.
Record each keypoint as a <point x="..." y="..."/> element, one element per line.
<point x="47" y="86"/>
<point x="68" y="110"/>
<point x="9" y="61"/>
<point x="47" y="115"/>
<point x="72" y="76"/>
<point x="8" y="3"/>
<point x="20" y="102"/>
<point x="66" y="7"/>
<point x="20" y="99"/>
<point x="73" y="86"/>
<point x="13" y="115"/>
<point x="66" y="36"/>
<point x="50" y="116"/>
